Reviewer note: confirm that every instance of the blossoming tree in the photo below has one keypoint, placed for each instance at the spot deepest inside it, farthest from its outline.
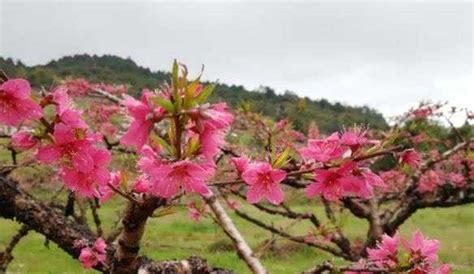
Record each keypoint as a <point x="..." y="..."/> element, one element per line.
<point x="178" y="140"/>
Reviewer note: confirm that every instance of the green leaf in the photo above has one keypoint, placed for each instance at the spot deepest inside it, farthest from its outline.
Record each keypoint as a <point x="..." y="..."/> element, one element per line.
<point x="162" y="142"/>
<point x="166" y="104"/>
<point x="282" y="159"/>
<point x="206" y="92"/>
<point x="176" y="85"/>
<point x="189" y="92"/>
<point x="174" y="74"/>
<point x="245" y="105"/>
<point x="192" y="147"/>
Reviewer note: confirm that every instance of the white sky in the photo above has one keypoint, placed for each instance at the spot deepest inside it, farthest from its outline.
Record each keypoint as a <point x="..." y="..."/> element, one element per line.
<point x="388" y="55"/>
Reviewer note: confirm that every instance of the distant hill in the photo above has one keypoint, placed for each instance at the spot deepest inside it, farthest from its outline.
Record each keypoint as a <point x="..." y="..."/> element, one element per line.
<point x="113" y="69"/>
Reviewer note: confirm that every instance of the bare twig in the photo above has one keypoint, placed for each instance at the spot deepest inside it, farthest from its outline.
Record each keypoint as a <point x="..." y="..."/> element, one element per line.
<point x="125" y="195"/>
<point x="297" y="239"/>
<point x="230" y="229"/>
<point x="95" y="215"/>
<point x="6" y="256"/>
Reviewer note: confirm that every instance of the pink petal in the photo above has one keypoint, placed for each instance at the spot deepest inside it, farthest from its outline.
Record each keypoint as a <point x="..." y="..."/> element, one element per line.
<point x="274" y="194"/>
<point x="63" y="134"/>
<point x="19" y="88"/>
<point x="23" y="140"/>
<point x="137" y="134"/>
<point x="71" y="178"/>
<point x="73" y="118"/>
<point x="240" y="163"/>
<point x="314" y="189"/>
<point x="9" y="114"/>
<point x="82" y="161"/>
<point x="164" y="188"/>
<point x="48" y="153"/>
<point x="277" y="175"/>
<point x="102" y="176"/>
<point x="196" y="187"/>
<point x="137" y="109"/>
<point x="255" y="193"/>
<point x="141" y="185"/>
<point x="101" y="157"/>
<point x="87" y="258"/>
<point x="29" y="109"/>
<point x="251" y="176"/>
<point x="100" y="245"/>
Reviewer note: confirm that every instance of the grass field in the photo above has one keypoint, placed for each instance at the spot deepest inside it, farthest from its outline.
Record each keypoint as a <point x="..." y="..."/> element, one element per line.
<point x="175" y="236"/>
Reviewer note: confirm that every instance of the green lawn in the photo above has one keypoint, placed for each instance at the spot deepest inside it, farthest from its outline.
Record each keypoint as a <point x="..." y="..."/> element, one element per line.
<point x="175" y="236"/>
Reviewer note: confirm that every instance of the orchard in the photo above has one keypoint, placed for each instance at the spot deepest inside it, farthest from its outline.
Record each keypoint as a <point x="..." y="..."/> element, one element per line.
<point x="172" y="147"/>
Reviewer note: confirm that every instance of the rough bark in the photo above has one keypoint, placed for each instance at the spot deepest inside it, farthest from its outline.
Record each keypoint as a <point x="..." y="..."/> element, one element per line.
<point x="18" y="205"/>
<point x="134" y="221"/>
<point x="49" y="221"/>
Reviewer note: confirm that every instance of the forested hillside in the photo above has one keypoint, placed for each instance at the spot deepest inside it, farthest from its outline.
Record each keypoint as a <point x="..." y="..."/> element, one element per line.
<point x="112" y="69"/>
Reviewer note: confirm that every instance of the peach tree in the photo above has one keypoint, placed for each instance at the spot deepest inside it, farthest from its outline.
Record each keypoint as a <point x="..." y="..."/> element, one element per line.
<point x="181" y="145"/>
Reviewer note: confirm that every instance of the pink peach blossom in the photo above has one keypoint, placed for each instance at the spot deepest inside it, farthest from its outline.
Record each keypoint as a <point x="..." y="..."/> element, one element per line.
<point x="92" y="256"/>
<point x="86" y="183"/>
<point x="142" y="185"/>
<point x="88" y="258"/>
<point x="67" y="146"/>
<point x="65" y="109"/>
<point x="354" y="138"/>
<point x="323" y="150"/>
<point x="280" y="125"/>
<point x="106" y="192"/>
<point x="218" y="116"/>
<point x="395" y="180"/>
<point x="443" y="269"/>
<point x="417" y="139"/>
<point x="167" y="179"/>
<point x="423" y="252"/>
<point x="430" y="180"/>
<point x="264" y="181"/>
<point x="411" y="158"/>
<point x="16" y="104"/>
<point x="363" y="182"/>
<point x="386" y="252"/>
<point x="22" y="140"/>
<point x="211" y="124"/>
<point x="333" y="183"/>
<point x="193" y="212"/>
<point x="77" y="87"/>
<point x="100" y="245"/>
<point x="144" y="115"/>
<point x="241" y="164"/>
<point x="233" y="204"/>
<point x="149" y="160"/>
<point x="422" y="112"/>
<point x="457" y="179"/>
<point x="211" y="140"/>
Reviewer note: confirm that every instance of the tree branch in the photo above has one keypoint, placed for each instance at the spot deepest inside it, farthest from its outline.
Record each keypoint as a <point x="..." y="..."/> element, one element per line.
<point x="50" y="222"/>
<point x="6" y="256"/>
<point x="242" y="247"/>
<point x="286" y="235"/>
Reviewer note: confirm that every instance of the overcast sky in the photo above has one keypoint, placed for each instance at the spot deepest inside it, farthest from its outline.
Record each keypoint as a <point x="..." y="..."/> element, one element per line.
<point x="386" y="55"/>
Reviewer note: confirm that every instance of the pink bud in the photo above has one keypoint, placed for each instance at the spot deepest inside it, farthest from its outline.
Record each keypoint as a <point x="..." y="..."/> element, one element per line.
<point x="23" y="140"/>
<point x="141" y="186"/>
<point x="100" y="245"/>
